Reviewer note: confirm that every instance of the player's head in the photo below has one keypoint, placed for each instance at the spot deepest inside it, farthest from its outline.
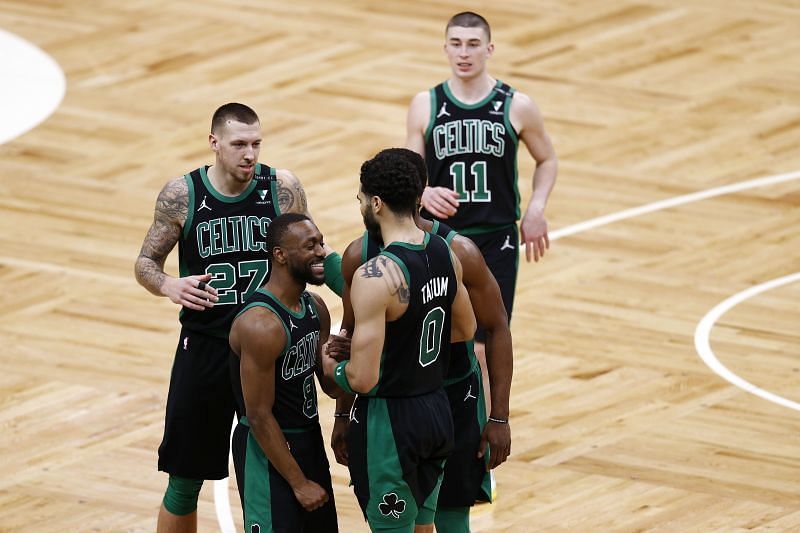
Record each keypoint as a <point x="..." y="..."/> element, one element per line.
<point x="415" y="159"/>
<point x="235" y="138"/>
<point x="294" y="243"/>
<point x="468" y="44"/>
<point x="390" y="187"/>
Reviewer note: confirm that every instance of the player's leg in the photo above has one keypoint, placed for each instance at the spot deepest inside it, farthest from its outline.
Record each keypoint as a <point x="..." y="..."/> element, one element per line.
<point x="465" y="477"/>
<point x="375" y="467"/>
<point x="197" y="426"/>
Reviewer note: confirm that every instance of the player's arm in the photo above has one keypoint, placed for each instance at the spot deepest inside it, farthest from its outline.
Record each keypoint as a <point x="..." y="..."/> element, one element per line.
<point x="291" y="195"/>
<point x="527" y="121"/>
<point x="440" y="201"/>
<point x="170" y="213"/>
<point x="328" y="385"/>
<point x="260" y="338"/>
<point x="463" y="319"/>
<point x="351" y="260"/>
<point x="491" y="316"/>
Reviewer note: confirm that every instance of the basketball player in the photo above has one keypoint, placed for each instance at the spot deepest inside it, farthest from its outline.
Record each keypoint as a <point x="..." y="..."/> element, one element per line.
<point x="278" y="337"/>
<point x="218" y="215"/>
<point x="468" y="129"/>
<point x="408" y="304"/>
<point x="465" y="474"/>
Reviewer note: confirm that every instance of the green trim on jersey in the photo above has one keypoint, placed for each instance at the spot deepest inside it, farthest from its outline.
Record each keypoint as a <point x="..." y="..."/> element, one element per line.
<point x="400" y="263"/>
<point x="435" y="230"/>
<point x="221" y="197"/>
<point x="243" y="420"/>
<point x="187" y="224"/>
<point x="275" y="312"/>
<point x="432" y="117"/>
<point x="364" y="247"/>
<point x="296" y="314"/>
<point x="462" y="105"/>
<point x="409" y="246"/>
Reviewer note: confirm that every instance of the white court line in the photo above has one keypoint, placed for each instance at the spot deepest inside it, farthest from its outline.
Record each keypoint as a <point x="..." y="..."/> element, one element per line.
<point x="703" y="346"/>
<point x="671" y="202"/>
<point x="223" y="503"/>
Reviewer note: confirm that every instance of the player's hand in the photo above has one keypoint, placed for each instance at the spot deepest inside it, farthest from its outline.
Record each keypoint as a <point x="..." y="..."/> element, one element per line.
<point x="339" y="439"/>
<point x="338" y="346"/>
<point x="533" y="232"/>
<point x="498" y="437"/>
<point x="192" y="292"/>
<point x="441" y="202"/>
<point x="310" y="495"/>
<point x="328" y="363"/>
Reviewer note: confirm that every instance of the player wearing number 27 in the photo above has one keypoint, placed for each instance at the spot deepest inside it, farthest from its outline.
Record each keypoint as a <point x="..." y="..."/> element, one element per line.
<point x="218" y="215"/>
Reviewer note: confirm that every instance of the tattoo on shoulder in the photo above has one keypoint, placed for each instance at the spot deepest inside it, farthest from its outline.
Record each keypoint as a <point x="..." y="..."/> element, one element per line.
<point x="173" y="201"/>
<point x="394" y="278"/>
<point x="291" y="196"/>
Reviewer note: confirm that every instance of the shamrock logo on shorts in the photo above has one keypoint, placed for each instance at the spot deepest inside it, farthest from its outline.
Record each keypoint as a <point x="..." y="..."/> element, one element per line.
<point x="392" y="505"/>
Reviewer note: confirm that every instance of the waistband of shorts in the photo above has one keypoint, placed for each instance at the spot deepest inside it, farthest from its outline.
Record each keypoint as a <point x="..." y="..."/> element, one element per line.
<point x="243" y="421"/>
<point x="473" y="368"/>
<point x="488" y="228"/>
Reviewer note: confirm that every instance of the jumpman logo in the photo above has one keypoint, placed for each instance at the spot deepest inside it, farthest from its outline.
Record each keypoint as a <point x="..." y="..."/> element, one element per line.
<point x="353" y="416"/>
<point x="203" y="204"/>
<point x="291" y="325"/>
<point x="507" y="244"/>
<point x="443" y="111"/>
<point x="469" y="394"/>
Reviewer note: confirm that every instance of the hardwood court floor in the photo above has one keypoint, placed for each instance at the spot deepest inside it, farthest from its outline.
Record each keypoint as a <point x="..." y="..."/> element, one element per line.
<point x="617" y="423"/>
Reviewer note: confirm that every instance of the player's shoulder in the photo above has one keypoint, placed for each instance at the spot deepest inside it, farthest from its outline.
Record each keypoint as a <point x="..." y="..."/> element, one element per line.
<point x="465" y="249"/>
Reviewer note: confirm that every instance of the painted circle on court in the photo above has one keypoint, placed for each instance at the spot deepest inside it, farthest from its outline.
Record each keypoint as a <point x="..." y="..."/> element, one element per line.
<point x="33" y="86"/>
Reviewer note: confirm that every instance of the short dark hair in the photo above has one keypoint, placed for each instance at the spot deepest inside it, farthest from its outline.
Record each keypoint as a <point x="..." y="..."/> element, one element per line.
<point x="232" y="111"/>
<point x="278" y="229"/>
<point x="415" y="159"/>
<point x="468" y="19"/>
<point x="394" y="179"/>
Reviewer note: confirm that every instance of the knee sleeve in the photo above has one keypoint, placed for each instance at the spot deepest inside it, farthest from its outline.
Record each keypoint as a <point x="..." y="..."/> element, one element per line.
<point x="452" y="520"/>
<point x="181" y="496"/>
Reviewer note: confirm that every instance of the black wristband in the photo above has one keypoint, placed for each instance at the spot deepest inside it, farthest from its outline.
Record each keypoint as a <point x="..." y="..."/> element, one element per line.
<point x="498" y="420"/>
<point x="341" y="415"/>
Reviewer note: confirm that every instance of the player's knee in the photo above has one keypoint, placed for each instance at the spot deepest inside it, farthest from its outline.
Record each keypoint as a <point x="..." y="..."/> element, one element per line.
<point x="452" y="520"/>
<point x="182" y="494"/>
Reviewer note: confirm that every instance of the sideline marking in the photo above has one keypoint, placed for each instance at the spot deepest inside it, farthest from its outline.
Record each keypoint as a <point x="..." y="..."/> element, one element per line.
<point x="223" y="503"/>
<point x="703" y="345"/>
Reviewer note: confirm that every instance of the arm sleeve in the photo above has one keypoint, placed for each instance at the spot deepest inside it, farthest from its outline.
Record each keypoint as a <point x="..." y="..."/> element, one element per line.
<point x="333" y="273"/>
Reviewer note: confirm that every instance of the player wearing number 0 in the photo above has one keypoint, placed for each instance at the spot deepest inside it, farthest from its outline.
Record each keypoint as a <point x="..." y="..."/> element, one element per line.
<point x="468" y="130"/>
<point x="277" y="339"/>
<point x="218" y="215"/>
<point x="408" y="304"/>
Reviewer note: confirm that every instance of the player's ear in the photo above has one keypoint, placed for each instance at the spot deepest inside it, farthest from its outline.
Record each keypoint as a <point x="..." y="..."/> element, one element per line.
<point x="213" y="142"/>
<point x="489" y="50"/>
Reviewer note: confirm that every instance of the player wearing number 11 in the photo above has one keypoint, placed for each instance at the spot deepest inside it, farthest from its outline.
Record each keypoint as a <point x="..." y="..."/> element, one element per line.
<point x="218" y="215"/>
<point x="468" y="129"/>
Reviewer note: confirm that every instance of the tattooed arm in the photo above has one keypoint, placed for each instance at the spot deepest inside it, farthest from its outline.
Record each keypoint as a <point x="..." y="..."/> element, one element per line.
<point x="379" y="292"/>
<point x="291" y="196"/>
<point x="170" y="213"/>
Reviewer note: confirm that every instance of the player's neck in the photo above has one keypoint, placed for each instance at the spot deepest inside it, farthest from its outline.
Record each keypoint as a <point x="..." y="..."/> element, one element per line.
<point x="471" y="90"/>
<point x="423" y="223"/>
<point x="401" y="230"/>
<point x="224" y="183"/>
<point x="285" y="288"/>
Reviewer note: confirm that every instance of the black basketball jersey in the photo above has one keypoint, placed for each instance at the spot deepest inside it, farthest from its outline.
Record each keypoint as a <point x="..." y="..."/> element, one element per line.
<point x="295" y="404"/>
<point x="461" y="359"/>
<point x="226" y="236"/>
<point x="416" y="349"/>
<point x="472" y="149"/>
